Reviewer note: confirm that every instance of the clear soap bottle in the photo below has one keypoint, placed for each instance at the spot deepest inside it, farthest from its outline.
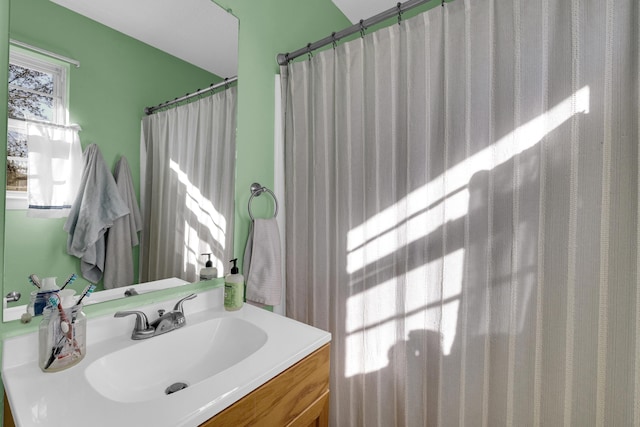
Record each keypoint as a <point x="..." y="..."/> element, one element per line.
<point x="208" y="272"/>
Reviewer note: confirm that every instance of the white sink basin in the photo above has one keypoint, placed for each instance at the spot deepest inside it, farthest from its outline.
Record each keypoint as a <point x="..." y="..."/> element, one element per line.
<point x="221" y="356"/>
<point x="144" y="370"/>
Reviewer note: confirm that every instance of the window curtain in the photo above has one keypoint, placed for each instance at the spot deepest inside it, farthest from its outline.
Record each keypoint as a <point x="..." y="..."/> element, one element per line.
<point x="54" y="169"/>
<point x="462" y="215"/>
<point x="188" y="175"/>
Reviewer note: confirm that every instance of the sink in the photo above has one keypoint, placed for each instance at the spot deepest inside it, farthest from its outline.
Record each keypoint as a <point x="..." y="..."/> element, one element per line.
<point x="187" y="356"/>
<point x="178" y="379"/>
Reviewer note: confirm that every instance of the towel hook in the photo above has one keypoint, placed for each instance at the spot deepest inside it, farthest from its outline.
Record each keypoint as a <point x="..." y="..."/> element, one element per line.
<point x="256" y="190"/>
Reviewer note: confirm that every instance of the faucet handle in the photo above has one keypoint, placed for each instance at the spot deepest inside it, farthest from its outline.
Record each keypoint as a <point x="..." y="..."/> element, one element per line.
<point x="178" y="306"/>
<point x="141" y="329"/>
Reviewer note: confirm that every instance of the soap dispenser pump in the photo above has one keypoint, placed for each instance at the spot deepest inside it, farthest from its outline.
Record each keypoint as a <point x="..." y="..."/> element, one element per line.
<point x="208" y="272"/>
<point x="233" y="288"/>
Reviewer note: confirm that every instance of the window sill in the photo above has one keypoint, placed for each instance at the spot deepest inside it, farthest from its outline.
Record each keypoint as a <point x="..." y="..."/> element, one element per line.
<point x="16" y="200"/>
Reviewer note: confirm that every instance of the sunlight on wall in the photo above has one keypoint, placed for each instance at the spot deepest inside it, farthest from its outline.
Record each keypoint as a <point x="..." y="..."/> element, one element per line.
<point x="208" y="218"/>
<point x="372" y="315"/>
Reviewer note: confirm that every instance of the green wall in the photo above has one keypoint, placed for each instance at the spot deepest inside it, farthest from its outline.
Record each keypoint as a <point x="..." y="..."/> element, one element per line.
<point x="266" y="29"/>
<point x="118" y="77"/>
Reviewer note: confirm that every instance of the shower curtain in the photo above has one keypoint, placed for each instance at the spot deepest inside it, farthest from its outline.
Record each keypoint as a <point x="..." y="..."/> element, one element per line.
<point x="462" y="215"/>
<point x="187" y="181"/>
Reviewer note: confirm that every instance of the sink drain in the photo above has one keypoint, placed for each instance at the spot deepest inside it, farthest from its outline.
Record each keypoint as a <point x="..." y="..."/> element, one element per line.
<point x="175" y="387"/>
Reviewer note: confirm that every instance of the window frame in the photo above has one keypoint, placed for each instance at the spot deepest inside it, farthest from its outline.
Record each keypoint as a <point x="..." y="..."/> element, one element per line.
<point x="17" y="200"/>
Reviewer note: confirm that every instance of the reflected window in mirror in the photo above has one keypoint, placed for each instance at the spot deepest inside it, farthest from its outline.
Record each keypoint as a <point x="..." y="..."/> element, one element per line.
<point x="37" y="91"/>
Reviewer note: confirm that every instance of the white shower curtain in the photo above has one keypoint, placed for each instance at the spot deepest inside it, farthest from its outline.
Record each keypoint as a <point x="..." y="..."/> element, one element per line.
<point x="462" y="215"/>
<point x="188" y="175"/>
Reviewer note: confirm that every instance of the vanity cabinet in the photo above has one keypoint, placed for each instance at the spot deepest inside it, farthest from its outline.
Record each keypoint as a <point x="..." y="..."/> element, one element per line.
<point x="298" y="397"/>
<point x="8" y="418"/>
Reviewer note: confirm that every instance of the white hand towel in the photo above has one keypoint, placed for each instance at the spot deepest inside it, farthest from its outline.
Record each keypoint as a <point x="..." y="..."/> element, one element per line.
<point x="262" y="263"/>
<point x="123" y="235"/>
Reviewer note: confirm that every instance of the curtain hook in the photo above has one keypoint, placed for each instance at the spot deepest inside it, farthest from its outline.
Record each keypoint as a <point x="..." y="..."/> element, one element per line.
<point x="443" y="2"/>
<point x="333" y="40"/>
<point x="226" y="83"/>
<point x="362" y="28"/>
<point x="309" y="51"/>
<point x="399" y="7"/>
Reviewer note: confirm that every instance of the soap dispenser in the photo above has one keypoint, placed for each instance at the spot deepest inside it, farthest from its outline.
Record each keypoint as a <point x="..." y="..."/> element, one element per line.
<point x="233" y="288"/>
<point x="208" y="272"/>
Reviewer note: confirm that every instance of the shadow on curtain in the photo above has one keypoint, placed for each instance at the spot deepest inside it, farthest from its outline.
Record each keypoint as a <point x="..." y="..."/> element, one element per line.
<point x="462" y="215"/>
<point x="188" y="175"/>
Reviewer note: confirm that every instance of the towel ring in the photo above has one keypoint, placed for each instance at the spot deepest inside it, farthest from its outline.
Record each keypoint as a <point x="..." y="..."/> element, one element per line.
<point x="256" y="190"/>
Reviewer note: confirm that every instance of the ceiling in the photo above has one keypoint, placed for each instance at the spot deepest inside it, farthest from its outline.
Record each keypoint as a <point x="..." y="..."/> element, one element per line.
<point x="355" y="10"/>
<point x="196" y="31"/>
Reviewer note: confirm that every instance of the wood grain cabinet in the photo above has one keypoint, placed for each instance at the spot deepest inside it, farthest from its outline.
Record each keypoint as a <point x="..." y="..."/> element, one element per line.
<point x="8" y="417"/>
<point x="298" y="397"/>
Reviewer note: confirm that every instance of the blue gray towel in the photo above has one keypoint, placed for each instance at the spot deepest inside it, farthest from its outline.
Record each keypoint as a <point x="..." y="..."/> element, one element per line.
<point x="97" y="205"/>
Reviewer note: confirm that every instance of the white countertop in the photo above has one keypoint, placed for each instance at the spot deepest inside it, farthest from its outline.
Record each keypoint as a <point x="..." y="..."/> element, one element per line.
<point x="66" y="397"/>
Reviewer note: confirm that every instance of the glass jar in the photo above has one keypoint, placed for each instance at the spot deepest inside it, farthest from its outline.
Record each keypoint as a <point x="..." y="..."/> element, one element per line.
<point x="62" y="338"/>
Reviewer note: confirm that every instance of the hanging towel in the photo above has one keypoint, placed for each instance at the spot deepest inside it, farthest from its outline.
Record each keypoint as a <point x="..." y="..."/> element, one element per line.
<point x="96" y="207"/>
<point x="54" y="171"/>
<point x="123" y="235"/>
<point x="262" y="264"/>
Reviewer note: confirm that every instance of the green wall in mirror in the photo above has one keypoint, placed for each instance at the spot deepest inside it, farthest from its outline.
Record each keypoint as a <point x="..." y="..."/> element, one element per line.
<point x="266" y="29"/>
<point x="118" y="77"/>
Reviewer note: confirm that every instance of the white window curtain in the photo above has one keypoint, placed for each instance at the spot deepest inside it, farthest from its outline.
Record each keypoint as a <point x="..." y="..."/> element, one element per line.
<point x="54" y="169"/>
<point x="188" y="176"/>
<point x="462" y="215"/>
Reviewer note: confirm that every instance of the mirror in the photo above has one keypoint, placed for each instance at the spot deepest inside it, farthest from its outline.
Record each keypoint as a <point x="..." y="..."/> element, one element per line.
<point x="118" y="77"/>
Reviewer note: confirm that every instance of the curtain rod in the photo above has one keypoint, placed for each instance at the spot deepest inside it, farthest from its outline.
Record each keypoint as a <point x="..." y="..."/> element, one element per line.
<point x="53" y="125"/>
<point x="45" y="52"/>
<point x="150" y="110"/>
<point x="284" y="58"/>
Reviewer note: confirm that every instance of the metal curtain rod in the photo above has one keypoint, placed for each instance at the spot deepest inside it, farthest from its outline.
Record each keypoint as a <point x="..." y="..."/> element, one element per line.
<point x="284" y="58"/>
<point x="150" y="110"/>
<point x="53" y="125"/>
<point x="45" y="52"/>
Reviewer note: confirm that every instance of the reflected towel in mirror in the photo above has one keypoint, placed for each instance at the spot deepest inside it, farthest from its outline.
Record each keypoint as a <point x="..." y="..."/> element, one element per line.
<point x="97" y="205"/>
<point x="123" y="235"/>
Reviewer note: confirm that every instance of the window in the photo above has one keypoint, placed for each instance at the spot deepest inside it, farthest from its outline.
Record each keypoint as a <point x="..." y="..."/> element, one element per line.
<point x="37" y="91"/>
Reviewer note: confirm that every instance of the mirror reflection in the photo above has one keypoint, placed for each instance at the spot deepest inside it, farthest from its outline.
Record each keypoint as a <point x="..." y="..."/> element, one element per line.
<point x="105" y="96"/>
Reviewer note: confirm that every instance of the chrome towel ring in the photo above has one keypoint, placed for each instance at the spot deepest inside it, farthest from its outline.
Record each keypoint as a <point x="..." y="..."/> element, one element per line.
<point x="256" y="190"/>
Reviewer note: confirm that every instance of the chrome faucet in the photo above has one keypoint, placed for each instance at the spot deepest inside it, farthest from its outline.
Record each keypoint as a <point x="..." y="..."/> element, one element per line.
<point x="130" y="292"/>
<point x="167" y="321"/>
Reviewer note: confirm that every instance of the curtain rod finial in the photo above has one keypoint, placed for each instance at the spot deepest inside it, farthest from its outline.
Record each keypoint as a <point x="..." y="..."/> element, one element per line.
<point x="282" y="59"/>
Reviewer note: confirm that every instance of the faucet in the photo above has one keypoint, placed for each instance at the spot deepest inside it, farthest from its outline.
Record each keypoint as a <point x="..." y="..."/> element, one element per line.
<point x="130" y="292"/>
<point x="167" y="321"/>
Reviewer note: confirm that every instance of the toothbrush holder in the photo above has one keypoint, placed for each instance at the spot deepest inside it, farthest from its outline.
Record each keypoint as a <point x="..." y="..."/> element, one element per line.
<point x="62" y="338"/>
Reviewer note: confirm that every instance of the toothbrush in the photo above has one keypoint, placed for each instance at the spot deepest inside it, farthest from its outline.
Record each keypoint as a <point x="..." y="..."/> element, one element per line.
<point x="65" y="326"/>
<point x="55" y="351"/>
<point x="35" y="281"/>
<point x="69" y="280"/>
<point x="85" y="293"/>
